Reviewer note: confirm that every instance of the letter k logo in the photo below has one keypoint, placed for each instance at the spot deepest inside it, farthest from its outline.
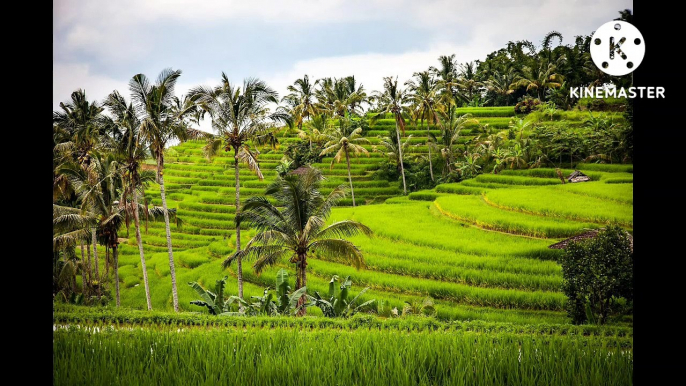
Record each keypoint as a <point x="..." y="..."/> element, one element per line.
<point x="617" y="48"/>
<point x="617" y="39"/>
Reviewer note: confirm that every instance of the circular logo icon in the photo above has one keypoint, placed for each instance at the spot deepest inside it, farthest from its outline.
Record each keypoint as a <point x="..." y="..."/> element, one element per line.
<point x="617" y="48"/>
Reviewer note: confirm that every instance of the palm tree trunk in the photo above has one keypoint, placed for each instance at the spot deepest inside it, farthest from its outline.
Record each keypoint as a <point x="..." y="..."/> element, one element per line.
<point x="400" y="157"/>
<point x="95" y="257"/>
<point x="90" y="264"/>
<point x="172" y="270"/>
<point x="350" y="179"/>
<point x="116" y="271"/>
<point x="302" y="282"/>
<point x="428" y="144"/>
<point x="239" y="262"/>
<point x="136" y="222"/>
<point x="107" y="261"/>
<point x="83" y="272"/>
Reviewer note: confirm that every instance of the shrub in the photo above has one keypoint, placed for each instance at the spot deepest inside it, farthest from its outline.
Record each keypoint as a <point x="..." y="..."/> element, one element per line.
<point x="526" y="105"/>
<point x="597" y="273"/>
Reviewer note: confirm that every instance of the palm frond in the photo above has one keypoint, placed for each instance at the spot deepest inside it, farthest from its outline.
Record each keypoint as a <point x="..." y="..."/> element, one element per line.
<point x="339" y="249"/>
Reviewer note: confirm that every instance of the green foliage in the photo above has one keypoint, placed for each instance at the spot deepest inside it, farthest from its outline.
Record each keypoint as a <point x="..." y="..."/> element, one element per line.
<point x="409" y="355"/>
<point x="526" y="105"/>
<point x="299" y="152"/>
<point x="337" y="303"/>
<point x="214" y="301"/>
<point x="597" y="274"/>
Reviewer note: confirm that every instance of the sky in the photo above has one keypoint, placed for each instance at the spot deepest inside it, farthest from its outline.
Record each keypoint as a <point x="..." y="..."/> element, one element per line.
<point x="99" y="46"/>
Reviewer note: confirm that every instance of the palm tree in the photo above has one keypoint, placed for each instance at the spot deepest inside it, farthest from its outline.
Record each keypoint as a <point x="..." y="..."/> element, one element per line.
<point x="345" y="139"/>
<point x="447" y="82"/>
<point x="451" y="127"/>
<point x="98" y="190"/>
<point x="499" y="83"/>
<point x="161" y="120"/>
<point x="390" y="148"/>
<point x="77" y="132"/>
<point x="467" y="81"/>
<point x="239" y="115"/>
<point x="78" y="128"/>
<point x="392" y="100"/>
<point x="337" y="97"/>
<point x="132" y="149"/>
<point x="70" y="226"/>
<point x="424" y="95"/>
<point x="301" y="101"/>
<point x="295" y="226"/>
<point x="539" y="79"/>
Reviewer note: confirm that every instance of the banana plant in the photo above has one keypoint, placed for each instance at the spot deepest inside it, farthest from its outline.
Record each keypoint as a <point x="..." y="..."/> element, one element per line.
<point x="337" y="304"/>
<point x="214" y="301"/>
<point x="286" y="302"/>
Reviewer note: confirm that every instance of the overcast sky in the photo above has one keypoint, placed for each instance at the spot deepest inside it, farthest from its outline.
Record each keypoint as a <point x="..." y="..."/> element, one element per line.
<point x="99" y="45"/>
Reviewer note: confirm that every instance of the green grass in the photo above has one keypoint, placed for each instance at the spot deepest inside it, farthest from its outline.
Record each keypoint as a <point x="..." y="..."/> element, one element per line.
<point x="560" y="203"/>
<point x="255" y="356"/>
<point x="475" y="210"/>
<point x="516" y="180"/>
<point x="614" y="168"/>
<point x="420" y="223"/>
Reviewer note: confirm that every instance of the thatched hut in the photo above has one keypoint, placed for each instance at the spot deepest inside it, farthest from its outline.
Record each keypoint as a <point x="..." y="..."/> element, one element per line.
<point x="578" y="176"/>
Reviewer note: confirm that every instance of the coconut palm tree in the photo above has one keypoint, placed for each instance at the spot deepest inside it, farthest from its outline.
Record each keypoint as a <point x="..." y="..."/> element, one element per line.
<point x="239" y="115"/>
<point x="344" y="140"/>
<point x="539" y="79"/>
<point x="78" y="128"/>
<point x="423" y="91"/>
<point x="451" y="127"/>
<point x="132" y="149"/>
<point x="71" y="226"/>
<point x="499" y="83"/>
<point x="467" y="82"/>
<point x="295" y="226"/>
<point x="161" y="118"/>
<point x="390" y="148"/>
<point x="98" y="190"/>
<point x="337" y="97"/>
<point x="393" y="100"/>
<point x="447" y="82"/>
<point x="302" y="101"/>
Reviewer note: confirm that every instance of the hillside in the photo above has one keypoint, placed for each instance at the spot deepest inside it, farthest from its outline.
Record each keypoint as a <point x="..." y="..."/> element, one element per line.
<point x="479" y="248"/>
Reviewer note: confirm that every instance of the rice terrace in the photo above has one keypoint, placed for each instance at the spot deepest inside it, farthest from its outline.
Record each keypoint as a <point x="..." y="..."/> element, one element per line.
<point x="470" y="225"/>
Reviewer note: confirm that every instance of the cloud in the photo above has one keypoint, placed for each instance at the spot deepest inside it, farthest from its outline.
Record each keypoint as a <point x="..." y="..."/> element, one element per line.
<point x="67" y="78"/>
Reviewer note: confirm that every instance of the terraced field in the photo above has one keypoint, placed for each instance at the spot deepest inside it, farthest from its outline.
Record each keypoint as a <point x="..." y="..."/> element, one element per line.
<point x="479" y="248"/>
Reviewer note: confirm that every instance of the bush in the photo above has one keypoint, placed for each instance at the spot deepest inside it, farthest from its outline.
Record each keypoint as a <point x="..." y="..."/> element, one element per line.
<point x="526" y="105"/>
<point x="597" y="275"/>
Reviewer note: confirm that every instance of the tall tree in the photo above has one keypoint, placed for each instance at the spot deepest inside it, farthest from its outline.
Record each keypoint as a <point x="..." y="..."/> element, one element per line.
<point x="337" y="97"/>
<point x="499" y="83"/>
<point x="301" y="101"/>
<point x="133" y="151"/>
<point x="162" y="120"/>
<point x="393" y="100"/>
<point x="424" y="95"/>
<point x="448" y="83"/>
<point x="344" y="140"/>
<point x="538" y="78"/>
<point x="451" y="127"/>
<point x="98" y="189"/>
<point x="239" y="116"/>
<point x="295" y="226"/>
